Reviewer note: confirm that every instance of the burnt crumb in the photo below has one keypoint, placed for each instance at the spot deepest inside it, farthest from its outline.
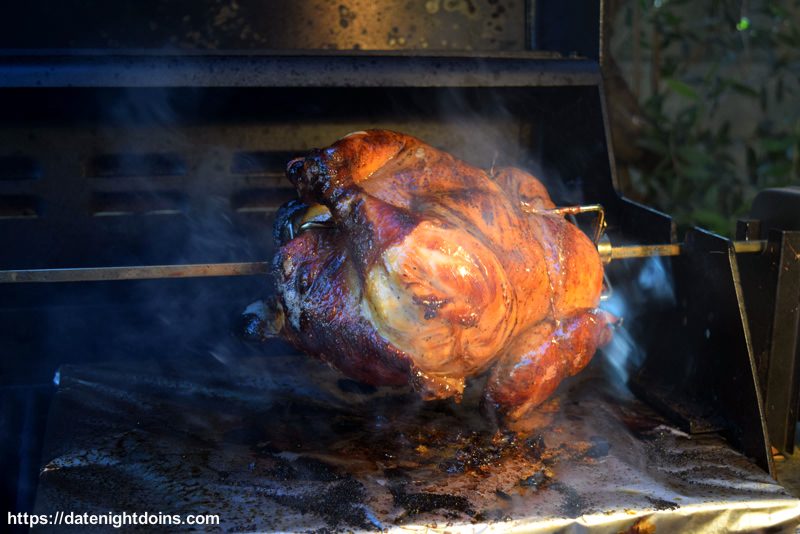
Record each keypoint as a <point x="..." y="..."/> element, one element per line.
<point x="505" y="438"/>
<point x="573" y="504"/>
<point x="600" y="447"/>
<point x="661" y="504"/>
<point x="494" y="515"/>
<point x="502" y="494"/>
<point x="283" y="470"/>
<point x="313" y="469"/>
<point x="340" y="503"/>
<point x="420" y="503"/>
<point x="535" y="447"/>
<point x="395" y="474"/>
<point x="536" y="481"/>
<point x="479" y="452"/>
<point x="452" y="467"/>
<point x="351" y="386"/>
<point x="303" y="469"/>
<point x="431" y="304"/>
<point x="285" y="432"/>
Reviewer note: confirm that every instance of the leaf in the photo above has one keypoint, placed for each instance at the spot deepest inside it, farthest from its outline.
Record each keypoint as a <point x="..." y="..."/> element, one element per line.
<point x="711" y="219"/>
<point x="778" y="11"/>
<point x="653" y="144"/>
<point x="777" y="144"/>
<point x="743" y="24"/>
<point x="695" y="156"/>
<point x="681" y="88"/>
<point x="776" y="169"/>
<point x="673" y="20"/>
<point x="743" y="89"/>
<point x="698" y="175"/>
<point x="711" y="196"/>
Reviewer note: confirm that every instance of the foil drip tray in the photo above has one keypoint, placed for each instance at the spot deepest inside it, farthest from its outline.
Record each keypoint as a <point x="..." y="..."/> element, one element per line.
<point x="286" y="444"/>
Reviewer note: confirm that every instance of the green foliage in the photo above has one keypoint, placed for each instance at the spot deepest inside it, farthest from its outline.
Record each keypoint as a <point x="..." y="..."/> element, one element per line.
<point x="725" y="117"/>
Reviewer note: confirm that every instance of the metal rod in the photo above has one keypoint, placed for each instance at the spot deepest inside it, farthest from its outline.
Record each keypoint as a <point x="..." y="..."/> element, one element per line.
<point x="148" y="272"/>
<point x="644" y="251"/>
<point x="749" y="247"/>
<point x="609" y="252"/>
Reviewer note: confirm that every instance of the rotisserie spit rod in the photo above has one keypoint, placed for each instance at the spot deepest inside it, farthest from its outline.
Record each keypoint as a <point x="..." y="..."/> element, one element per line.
<point x="138" y="272"/>
<point x="607" y="251"/>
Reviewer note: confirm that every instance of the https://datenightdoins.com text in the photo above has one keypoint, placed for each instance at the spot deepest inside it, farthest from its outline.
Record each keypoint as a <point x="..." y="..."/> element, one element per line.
<point x="112" y="519"/>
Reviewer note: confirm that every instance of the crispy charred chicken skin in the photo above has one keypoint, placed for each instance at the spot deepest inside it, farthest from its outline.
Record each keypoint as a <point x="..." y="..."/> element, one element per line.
<point x="409" y="266"/>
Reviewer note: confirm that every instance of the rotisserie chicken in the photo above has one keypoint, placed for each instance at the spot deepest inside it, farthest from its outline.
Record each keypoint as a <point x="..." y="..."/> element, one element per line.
<point x="403" y="265"/>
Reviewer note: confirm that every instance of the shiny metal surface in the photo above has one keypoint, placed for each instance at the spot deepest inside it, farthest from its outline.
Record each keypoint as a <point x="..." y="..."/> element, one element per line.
<point x="320" y="69"/>
<point x="140" y="272"/>
<point x="284" y="444"/>
<point x="271" y="25"/>
<point x="609" y="252"/>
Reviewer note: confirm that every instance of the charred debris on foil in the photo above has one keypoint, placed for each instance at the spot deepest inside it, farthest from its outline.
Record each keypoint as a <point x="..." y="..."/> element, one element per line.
<point x="276" y="451"/>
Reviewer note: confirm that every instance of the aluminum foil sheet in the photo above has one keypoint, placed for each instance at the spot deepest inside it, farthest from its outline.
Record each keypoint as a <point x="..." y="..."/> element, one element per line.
<point x="285" y="444"/>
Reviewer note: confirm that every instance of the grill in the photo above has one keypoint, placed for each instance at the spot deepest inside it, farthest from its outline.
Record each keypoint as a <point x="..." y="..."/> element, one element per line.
<point x="154" y="157"/>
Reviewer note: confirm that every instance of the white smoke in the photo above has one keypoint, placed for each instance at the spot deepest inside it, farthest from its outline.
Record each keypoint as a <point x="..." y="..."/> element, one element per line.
<point x="649" y="284"/>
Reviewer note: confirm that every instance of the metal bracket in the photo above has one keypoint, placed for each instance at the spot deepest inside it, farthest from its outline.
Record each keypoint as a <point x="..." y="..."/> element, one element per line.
<point x="772" y="293"/>
<point x="702" y="352"/>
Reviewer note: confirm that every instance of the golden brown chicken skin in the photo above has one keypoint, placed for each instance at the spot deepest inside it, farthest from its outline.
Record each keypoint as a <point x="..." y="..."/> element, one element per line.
<point x="410" y="266"/>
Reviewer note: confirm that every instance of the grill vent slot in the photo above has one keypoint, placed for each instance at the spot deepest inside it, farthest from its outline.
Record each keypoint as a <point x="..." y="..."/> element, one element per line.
<point x="138" y="203"/>
<point x="261" y="200"/>
<point x="20" y="207"/>
<point x="127" y="165"/>
<point x="19" y="168"/>
<point x="262" y="162"/>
